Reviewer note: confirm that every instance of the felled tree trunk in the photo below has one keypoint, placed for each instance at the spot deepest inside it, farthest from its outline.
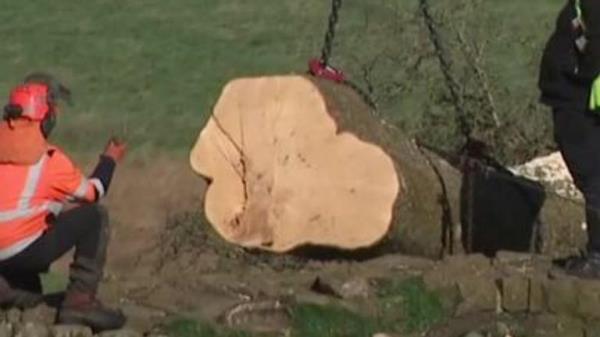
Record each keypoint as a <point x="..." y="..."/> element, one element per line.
<point x="294" y="161"/>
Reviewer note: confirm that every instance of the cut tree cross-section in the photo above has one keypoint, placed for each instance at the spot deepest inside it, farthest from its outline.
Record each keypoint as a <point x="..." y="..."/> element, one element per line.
<point x="283" y="174"/>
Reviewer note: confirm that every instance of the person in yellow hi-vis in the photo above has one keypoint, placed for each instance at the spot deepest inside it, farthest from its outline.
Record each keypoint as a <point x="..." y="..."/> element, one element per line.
<point x="570" y="85"/>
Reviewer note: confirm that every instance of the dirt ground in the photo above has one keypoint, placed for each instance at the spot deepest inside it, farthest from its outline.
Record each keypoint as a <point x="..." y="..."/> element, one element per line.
<point x="160" y="265"/>
<point x="142" y="199"/>
<point x="165" y="262"/>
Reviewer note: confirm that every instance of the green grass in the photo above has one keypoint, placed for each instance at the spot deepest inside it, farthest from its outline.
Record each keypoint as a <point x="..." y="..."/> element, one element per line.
<point x="53" y="282"/>
<point x="150" y="70"/>
<point x="407" y="306"/>
<point x="311" y="320"/>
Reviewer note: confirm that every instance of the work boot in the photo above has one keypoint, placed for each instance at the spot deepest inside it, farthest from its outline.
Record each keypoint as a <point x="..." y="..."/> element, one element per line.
<point x="84" y="309"/>
<point x="587" y="267"/>
<point x="17" y="298"/>
<point x="80" y="305"/>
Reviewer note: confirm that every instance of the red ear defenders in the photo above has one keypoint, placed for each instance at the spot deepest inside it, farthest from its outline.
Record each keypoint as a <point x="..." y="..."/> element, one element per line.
<point x="36" y="100"/>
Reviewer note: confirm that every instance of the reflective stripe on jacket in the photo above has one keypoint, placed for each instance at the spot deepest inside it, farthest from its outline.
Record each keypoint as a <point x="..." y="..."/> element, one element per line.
<point x="28" y="194"/>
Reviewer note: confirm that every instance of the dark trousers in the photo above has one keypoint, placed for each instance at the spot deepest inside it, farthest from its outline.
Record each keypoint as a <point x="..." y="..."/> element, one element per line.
<point x="84" y="228"/>
<point x="577" y="134"/>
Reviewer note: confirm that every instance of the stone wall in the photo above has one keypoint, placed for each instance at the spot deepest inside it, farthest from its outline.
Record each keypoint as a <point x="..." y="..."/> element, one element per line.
<point x="519" y="284"/>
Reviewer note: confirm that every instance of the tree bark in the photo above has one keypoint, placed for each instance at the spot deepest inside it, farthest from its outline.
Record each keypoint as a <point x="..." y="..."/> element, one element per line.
<point x="294" y="161"/>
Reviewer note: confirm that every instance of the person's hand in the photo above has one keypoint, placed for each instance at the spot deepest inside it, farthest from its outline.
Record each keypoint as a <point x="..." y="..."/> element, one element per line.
<point x="115" y="149"/>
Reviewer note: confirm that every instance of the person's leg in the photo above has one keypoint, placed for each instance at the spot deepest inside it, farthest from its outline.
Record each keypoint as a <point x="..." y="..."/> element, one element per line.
<point x="30" y="282"/>
<point x="80" y="305"/>
<point x="21" y="284"/>
<point x="28" y="296"/>
<point x="578" y="137"/>
<point x="87" y="267"/>
<point x="87" y="229"/>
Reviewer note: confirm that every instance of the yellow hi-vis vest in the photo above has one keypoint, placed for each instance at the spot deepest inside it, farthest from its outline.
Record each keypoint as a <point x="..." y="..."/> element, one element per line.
<point x="581" y="43"/>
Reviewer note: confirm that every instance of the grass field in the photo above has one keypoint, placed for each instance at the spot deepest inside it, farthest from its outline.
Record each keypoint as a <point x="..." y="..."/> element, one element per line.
<point x="149" y="70"/>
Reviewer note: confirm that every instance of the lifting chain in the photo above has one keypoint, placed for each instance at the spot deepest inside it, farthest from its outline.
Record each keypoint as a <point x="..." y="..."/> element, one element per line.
<point x="322" y="68"/>
<point x="336" y="5"/>
<point x="446" y="68"/>
<point x="461" y="119"/>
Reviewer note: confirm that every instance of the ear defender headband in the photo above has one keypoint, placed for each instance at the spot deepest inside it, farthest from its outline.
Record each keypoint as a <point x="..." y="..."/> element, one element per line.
<point x="36" y="99"/>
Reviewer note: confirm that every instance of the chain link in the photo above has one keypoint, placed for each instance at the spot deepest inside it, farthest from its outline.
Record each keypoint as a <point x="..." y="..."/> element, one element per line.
<point x="366" y="97"/>
<point x="446" y="68"/>
<point x="336" y="5"/>
<point x="326" y="51"/>
<point x="469" y="164"/>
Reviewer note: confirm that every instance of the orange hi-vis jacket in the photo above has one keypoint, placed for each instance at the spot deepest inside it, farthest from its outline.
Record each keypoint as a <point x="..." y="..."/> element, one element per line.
<point x="29" y="193"/>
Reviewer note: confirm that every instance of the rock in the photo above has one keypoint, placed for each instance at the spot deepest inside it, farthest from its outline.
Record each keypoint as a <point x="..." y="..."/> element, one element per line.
<point x="120" y="333"/>
<point x="6" y="329"/>
<point x="14" y="316"/>
<point x="355" y="288"/>
<point x="473" y="275"/>
<point x="32" y="329"/>
<point x="512" y="258"/>
<point x="568" y="326"/>
<point x="403" y="263"/>
<point x="478" y="294"/>
<point x="522" y="263"/>
<point x="552" y="171"/>
<point x="40" y="314"/>
<point x="561" y="296"/>
<point x="477" y="263"/>
<point x="454" y="268"/>
<point x="474" y="334"/>
<point x="332" y="286"/>
<point x="503" y="329"/>
<point x="515" y="293"/>
<point x="588" y="299"/>
<point x="537" y="301"/>
<point x="437" y="278"/>
<point x="547" y="325"/>
<point x="592" y="330"/>
<point x="325" y="287"/>
<point x="450" y="298"/>
<point x="71" y="331"/>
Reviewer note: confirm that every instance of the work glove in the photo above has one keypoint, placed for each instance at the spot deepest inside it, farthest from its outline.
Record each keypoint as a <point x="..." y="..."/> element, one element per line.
<point x="595" y="96"/>
<point x="115" y="149"/>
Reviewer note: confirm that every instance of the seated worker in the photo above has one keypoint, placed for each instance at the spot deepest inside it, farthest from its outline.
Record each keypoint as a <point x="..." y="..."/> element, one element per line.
<point x="36" y="179"/>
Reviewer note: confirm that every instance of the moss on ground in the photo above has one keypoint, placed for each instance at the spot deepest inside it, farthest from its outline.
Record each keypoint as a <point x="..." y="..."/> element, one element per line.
<point x="405" y="307"/>
<point x="311" y="320"/>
